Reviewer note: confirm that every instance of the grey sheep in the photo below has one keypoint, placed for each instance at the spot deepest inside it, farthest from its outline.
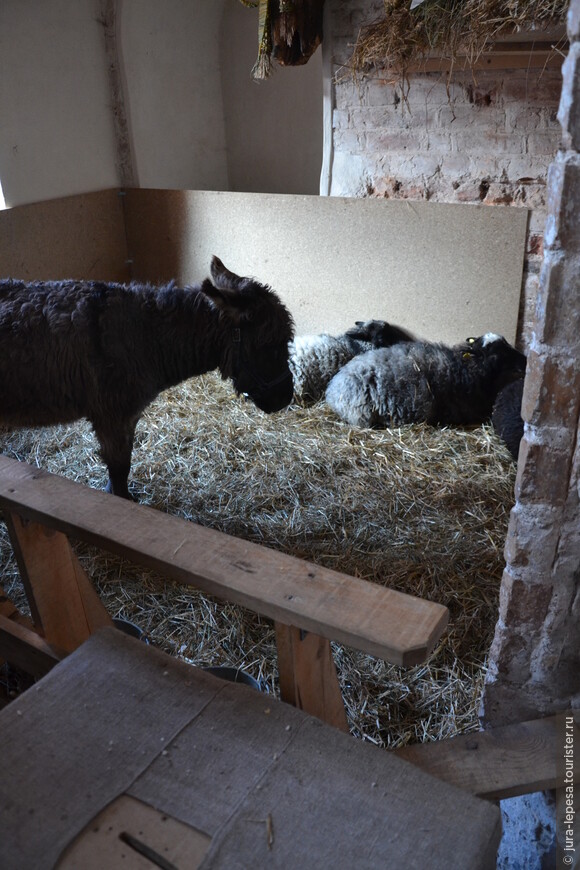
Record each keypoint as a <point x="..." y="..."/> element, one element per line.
<point x="315" y="359"/>
<point x="74" y="349"/>
<point x="426" y="382"/>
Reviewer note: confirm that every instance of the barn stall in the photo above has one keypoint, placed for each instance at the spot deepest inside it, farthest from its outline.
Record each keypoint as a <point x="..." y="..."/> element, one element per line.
<point x="485" y="95"/>
<point x="417" y="509"/>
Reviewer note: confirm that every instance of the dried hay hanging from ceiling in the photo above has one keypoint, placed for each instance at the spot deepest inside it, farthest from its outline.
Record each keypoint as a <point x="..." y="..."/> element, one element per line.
<point x="450" y="28"/>
<point x="288" y="33"/>
<point x="417" y="509"/>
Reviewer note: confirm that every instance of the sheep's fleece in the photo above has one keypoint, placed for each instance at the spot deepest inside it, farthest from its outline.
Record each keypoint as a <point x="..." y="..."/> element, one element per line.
<point x="507" y="415"/>
<point x="425" y="382"/>
<point x="314" y="359"/>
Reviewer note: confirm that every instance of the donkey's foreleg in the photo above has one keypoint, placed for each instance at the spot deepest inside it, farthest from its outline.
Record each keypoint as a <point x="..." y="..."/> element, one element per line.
<point x="116" y="443"/>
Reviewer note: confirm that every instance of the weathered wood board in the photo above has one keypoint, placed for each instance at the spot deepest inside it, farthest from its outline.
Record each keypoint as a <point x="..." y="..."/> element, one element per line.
<point x="268" y="785"/>
<point x="383" y="622"/>
<point x="500" y="762"/>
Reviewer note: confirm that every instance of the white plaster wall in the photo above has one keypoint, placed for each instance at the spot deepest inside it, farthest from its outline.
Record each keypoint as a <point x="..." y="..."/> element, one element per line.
<point x="56" y="127"/>
<point x="170" y="56"/>
<point x="273" y="127"/>
<point x="196" y="119"/>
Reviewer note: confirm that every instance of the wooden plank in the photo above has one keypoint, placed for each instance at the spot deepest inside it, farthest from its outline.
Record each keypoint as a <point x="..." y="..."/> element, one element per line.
<point x="308" y="678"/>
<point x="26" y="649"/>
<point x="510" y="56"/>
<point x="388" y="624"/>
<point x="9" y="610"/>
<point x="500" y="762"/>
<point x="65" y="607"/>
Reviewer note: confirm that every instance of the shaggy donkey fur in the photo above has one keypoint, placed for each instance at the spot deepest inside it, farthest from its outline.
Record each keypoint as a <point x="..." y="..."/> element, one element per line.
<point x="423" y="382"/>
<point x="507" y="415"/>
<point x="73" y="349"/>
<point x="315" y="359"/>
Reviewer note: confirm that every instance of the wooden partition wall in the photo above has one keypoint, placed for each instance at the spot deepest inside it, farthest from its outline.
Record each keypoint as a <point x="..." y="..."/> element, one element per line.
<point x="443" y="271"/>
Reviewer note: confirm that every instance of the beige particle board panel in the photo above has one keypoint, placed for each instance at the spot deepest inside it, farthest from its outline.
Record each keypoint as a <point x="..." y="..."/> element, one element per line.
<point x="445" y="271"/>
<point x="74" y="237"/>
<point x="133" y="835"/>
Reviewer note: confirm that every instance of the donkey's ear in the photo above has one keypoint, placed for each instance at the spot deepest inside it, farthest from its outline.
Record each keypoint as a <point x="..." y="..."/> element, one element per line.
<point x="223" y="278"/>
<point x="230" y="303"/>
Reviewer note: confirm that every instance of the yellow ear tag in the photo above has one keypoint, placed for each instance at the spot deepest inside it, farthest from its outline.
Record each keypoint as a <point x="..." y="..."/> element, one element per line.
<point x="467" y="355"/>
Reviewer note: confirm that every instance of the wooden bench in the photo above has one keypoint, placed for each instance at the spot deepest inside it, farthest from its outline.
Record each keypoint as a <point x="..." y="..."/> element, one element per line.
<point x="309" y="604"/>
<point x="123" y="753"/>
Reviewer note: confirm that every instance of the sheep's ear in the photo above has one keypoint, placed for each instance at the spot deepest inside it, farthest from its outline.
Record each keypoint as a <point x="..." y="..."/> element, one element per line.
<point x="359" y="330"/>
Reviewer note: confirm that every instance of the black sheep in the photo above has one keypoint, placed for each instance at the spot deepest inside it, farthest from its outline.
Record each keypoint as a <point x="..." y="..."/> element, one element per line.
<point x="507" y="415"/>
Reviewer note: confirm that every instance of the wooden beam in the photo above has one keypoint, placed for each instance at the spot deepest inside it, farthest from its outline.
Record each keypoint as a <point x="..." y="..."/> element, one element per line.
<point x="496" y="60"/>
<point x="500" y="762"/>
<point x="390" y="625"/>
<point x="24" y="648"/>
<point x="9" y="611"/>
<point x="307" y="673"/>
<point x="65" y="607"/>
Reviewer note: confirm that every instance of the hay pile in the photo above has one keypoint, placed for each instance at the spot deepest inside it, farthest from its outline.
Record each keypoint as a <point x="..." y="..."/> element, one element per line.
<point x="451" y="28"/>
<point x="421" y="510"/>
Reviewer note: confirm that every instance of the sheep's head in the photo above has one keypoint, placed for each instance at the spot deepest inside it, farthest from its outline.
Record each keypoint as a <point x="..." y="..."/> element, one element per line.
<point x="503" y="361"/>
<point x="258" y="327"/>
<point x="379" y="333"/>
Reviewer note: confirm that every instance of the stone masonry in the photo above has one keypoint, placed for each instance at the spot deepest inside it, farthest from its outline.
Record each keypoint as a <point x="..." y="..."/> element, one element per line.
<point x="535" y="657"/>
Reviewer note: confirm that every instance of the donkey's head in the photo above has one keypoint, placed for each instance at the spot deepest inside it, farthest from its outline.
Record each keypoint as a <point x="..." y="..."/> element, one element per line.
<point x="256" y="328"/>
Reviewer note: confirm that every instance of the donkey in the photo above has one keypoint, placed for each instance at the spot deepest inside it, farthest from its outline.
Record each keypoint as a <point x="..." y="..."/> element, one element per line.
<point x="104" y="352"/>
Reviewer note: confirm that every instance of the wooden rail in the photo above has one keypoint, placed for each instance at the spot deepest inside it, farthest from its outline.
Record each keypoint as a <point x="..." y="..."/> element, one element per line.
<point x="43" y="510"/>
<point x="500" y="762"/>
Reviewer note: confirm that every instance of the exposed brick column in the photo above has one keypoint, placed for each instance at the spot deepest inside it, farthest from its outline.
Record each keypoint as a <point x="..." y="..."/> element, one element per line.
<point x="535" y="656"/>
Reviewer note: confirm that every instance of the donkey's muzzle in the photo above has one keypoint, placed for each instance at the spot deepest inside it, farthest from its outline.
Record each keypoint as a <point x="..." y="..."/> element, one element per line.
<point x="269" y="395"/>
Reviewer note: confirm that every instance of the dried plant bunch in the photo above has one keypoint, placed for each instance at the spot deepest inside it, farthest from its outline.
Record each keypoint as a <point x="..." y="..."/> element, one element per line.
<point x="405" y="35"/>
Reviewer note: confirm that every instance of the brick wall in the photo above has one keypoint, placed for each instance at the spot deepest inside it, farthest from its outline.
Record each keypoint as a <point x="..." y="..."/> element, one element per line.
<point x="487" y="137"/>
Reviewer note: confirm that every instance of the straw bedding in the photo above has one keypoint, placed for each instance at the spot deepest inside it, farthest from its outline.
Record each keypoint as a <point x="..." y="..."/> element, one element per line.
<point x="418" y="509"/>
